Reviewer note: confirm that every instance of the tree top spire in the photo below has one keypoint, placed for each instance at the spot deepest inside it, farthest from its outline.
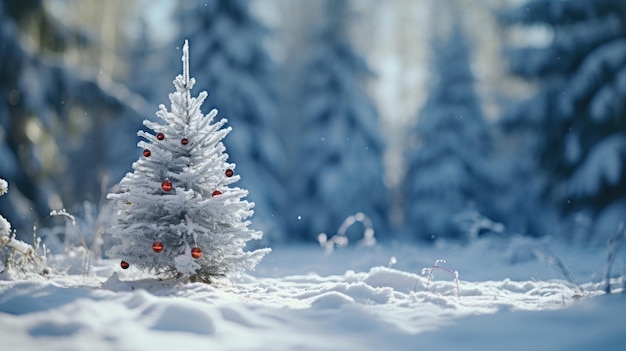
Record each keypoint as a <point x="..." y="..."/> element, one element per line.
<point x="185" y="60"/>
<point x="186" y="64"/>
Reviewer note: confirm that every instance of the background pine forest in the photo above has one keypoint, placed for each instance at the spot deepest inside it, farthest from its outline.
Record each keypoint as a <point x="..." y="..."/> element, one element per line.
<point x="418" y="119"/>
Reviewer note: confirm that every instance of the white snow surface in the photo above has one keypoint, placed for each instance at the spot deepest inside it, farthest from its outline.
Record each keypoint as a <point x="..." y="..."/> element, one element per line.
<point x="514" y="296"/>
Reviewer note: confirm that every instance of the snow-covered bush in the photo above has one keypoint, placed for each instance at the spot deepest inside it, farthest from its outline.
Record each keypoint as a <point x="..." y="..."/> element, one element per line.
<point x="4" y="187"/>
<point x="15" y="255"/>
<point x="177" y="213"/>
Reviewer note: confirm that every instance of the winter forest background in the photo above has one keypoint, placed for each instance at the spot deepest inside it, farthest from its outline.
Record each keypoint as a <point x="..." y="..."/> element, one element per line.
<point x="418" y="119"/>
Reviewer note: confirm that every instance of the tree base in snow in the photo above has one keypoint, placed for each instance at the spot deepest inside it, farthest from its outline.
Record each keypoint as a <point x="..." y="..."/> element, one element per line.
<point x="202" y="277"/>
<point x="143" y="282"/>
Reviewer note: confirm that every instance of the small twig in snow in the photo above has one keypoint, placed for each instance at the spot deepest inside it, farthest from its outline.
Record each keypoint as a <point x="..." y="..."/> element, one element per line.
<point x="549" y="257"/>
<point x="341" y="240"/>
<point x="429" y="271"/>
<point x="615" y="242"/>
<point x="63" y="213"/>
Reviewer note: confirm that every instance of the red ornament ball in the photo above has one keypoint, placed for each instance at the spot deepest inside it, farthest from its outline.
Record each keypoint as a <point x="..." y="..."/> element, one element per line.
<point x="166" y="185"/>
<point x="160" y="136"/>
<point x="196" y="252"/>
<point x="157" y="246"/>
<point x="146" y="153"/>
<point x="229" y="172"/>
<point x="216" y="193"/>
<point x="124" y="265"/>
<point x="184" y="141"/>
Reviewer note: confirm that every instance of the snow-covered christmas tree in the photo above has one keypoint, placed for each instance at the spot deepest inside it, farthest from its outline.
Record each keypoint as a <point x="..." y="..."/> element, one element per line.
<point x="177" y="212"/>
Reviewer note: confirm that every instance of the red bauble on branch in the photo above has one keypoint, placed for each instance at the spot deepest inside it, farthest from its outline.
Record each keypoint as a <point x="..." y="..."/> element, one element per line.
<point x="146" y="153"/>
<point x="157" y="246"/>
<point x="196" y="252"/>
<point x="166" y="185"/>
<point x="216" y="193"/>
<point x="124" y="265"/>
<point x="229" y="173"/>
<point x="184" y="141"/>
<point x="160" y="136"/>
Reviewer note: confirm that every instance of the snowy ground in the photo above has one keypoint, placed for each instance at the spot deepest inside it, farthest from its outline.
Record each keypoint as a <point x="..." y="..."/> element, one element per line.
<point x="514" y="295"/>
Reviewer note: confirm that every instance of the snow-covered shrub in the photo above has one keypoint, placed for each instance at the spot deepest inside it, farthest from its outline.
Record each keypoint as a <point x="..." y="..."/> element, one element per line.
<point x="16" y="255"/>
<point x="19" y="257"/>
<point x="4" y="187"/>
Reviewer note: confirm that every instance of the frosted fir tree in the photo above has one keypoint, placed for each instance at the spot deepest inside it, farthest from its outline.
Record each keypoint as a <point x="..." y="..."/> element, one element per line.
<point x="337" y="148"/>
<point x="17" y="257"/>
<point x="448" y="171"/>
<point x="575" y="126"/>
<point x="177" y="213"/>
